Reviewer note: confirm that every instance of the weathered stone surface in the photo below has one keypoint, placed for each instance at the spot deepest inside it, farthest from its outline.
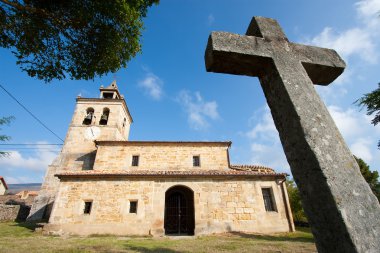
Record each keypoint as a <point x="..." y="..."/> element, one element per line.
<point x="342" y="210"/>
<point x="220" y="205"/>
<point x="9" y="212"/>
<point x="78" y="152"/>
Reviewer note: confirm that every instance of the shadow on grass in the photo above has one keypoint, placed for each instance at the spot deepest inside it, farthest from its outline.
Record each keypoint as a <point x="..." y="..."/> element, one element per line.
<point x="297" y="237"/>
<point x="28" y="225"/>
<point x="142" y="249"/>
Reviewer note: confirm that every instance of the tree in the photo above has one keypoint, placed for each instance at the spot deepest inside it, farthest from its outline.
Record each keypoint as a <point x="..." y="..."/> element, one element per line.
<point x="372" y="178"/>
<point x="5" y="121"/>
<point x="295" y="202"/>
<point x="83" y="39"/>
<point x="372" y="102"/>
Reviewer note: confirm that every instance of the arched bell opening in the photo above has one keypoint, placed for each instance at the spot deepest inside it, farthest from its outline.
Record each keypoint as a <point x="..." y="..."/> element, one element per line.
<point x="89" y="115"/>
<point x="179" y="211"/>
<point x="104" y="117"/>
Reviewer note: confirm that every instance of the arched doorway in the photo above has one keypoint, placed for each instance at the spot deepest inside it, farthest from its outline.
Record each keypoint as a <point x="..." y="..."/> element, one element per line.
<point x="179" y="211"/>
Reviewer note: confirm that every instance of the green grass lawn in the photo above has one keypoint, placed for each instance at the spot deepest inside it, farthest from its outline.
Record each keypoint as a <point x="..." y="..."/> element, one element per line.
<point x="20" y="237"/>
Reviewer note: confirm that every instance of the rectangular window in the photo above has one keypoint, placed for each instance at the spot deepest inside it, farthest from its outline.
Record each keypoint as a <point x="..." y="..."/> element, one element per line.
<point x="196" y="161"/>
<point x="135" y="160"/>
<point x="133" y="206"/>
<point x="268" y="199"/>
<point x="87" y="207"/>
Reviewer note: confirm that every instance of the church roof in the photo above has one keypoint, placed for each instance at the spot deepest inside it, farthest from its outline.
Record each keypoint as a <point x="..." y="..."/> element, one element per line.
<point x="226" y="143"/>
<point x="168" y="173"/>
<point x="257" y="168"/>
<point x="4" y="183"/>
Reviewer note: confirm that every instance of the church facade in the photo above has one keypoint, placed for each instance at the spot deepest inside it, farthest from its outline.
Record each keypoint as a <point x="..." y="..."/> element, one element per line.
<point x="103" y="183"/>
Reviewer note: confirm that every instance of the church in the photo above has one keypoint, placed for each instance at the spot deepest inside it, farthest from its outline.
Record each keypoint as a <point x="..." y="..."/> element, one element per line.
<point x="104" y="183"/>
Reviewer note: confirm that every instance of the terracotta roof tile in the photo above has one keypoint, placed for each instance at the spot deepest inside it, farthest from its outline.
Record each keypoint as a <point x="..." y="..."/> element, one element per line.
<point x="257" y="168"/>
<point x="4" y="183"/>
<point x="125" y="143"/>
<point x="150" y="173"/>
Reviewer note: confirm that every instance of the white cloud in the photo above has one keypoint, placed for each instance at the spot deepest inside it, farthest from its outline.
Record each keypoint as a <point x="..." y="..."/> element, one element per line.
<point x="19" y="180"/>
<point x="360" y="40"/>
<point x="265" y="147"/>
<point x="210" y="19"/>
<point x="37" y="161"/>
<point x="198" y="110"/>
<point x="354" y="41"/>
<point x="152" y="85"/>
<point x="358" y="132"/>
<point x="355" y="127"/>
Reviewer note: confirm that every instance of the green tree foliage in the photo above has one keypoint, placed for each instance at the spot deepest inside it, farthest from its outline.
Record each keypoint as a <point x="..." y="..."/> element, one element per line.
<point x="295" y="202"/>
<point x="372" y="102"/>
<point x="83" y="39"/>
<point x="5" y="121"/>
<point x="372" y="178"/>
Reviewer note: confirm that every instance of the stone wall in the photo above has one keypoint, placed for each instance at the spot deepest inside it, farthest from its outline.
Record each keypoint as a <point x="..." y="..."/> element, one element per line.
<point x="221" y="205"/>
<point x="3" y="190"/>
<point x="162" y="156"/>
<point x="9" y="212"/>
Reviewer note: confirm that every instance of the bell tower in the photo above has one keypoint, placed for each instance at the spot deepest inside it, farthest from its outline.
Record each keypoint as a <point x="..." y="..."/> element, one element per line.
<point x="103" y="118"/>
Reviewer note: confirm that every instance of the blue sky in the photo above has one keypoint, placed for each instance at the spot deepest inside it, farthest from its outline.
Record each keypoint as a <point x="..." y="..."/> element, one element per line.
<point x="172" y="97"/>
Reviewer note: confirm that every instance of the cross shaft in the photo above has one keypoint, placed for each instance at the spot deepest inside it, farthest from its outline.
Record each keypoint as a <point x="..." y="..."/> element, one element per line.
<point x="342" y="210"/>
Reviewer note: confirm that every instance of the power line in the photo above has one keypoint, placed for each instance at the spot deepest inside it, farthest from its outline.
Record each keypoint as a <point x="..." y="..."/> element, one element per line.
<point x="30" y="144"/>
<point x="31" y="113"/>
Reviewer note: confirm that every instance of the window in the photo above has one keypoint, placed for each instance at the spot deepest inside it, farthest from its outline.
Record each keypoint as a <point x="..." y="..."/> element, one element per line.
<point x="104" y="117"/>
<point x="107" y="95"/>
<point x="89" y="114"/>
<point x="268" y="199"/>
<point x="135" y="160"/>
<point x="133" y="206"/>
<point x="87" y="207"/>
<point x="196" y="161"/>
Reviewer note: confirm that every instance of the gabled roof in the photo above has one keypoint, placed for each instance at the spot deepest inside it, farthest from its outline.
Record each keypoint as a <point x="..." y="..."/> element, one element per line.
<point x="134" y="143"/>
<point x="257" y="168"/>
<point x="164" y="174"/>
<point x="112" y="87"/>
<point x="4" y="183"/>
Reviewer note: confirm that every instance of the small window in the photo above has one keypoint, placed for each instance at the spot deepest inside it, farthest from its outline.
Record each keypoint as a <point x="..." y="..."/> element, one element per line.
<point x="135" y="160"/>
<point x="133" y="206"/>
<point x="107" y="95"/>
<point x="268" y="199"/>
<point x="87" y="207"/>
<point x="196" y="161"/>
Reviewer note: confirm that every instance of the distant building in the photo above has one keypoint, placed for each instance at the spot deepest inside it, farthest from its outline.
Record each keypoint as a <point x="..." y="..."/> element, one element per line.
<point x="3" y="186"/>
<point x="26" y="194"/>
<point x="103" y="183"/>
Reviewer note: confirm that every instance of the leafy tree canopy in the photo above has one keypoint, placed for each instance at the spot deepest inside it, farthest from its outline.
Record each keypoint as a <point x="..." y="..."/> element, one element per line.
<point x="83" y="39"/>
<point x="4" y="121"/>
<point x="372" y="178"/>
<point x="372" y="102"/>
<point x="295" y="202"/>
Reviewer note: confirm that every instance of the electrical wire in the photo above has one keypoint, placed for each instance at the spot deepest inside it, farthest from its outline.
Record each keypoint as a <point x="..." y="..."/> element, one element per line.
<point x="35" y="117"/>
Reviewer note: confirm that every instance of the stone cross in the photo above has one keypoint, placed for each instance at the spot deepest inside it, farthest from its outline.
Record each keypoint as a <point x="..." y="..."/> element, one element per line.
<point x="343" y="212"/>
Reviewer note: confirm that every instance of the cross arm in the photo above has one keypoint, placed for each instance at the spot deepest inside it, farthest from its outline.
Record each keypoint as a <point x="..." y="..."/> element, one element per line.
<point x="323" y="65"/>
<point x="237" y="54"/>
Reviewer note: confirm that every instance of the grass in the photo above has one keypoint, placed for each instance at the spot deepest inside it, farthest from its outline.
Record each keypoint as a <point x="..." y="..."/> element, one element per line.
<point x="20" y="237"/>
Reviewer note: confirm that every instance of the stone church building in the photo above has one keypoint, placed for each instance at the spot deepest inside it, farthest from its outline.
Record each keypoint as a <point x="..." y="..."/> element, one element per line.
<point x="102" y="183"/>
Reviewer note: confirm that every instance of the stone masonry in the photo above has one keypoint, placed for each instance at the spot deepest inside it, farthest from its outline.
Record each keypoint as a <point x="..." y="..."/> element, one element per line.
<point x="181" y="187"/>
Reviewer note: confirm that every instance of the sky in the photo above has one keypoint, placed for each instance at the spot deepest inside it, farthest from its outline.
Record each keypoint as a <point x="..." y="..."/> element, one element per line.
<point x="172" y="97"/>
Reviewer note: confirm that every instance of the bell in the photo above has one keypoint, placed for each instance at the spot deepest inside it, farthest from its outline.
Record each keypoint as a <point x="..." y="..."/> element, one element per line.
<point x="104" y="117"/>
<point x="89" y="116"/>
